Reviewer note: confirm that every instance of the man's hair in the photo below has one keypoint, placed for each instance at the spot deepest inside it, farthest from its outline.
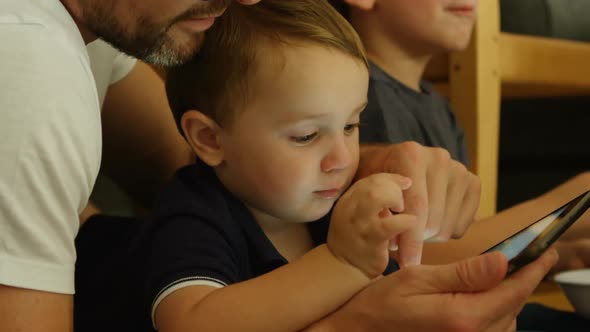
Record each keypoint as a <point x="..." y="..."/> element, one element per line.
<point x="216" y="80"/>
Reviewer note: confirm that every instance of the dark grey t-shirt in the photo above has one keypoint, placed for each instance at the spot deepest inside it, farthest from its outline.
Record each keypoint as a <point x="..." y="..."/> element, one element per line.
<point x="396" y="113"/>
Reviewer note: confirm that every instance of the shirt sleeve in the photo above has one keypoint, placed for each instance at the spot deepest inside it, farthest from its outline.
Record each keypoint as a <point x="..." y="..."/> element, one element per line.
<point x="122" y="66"/>
<point x="189" y="251"/>
<point x="49" y="156"/>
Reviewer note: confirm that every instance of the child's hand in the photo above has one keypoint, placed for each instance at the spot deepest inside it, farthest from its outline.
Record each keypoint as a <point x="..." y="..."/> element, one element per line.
<point x="365" y="220"/>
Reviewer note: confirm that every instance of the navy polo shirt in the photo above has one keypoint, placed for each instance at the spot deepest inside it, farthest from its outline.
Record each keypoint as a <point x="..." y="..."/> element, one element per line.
<point x="396" y="113"/>
<point x="203" y="235"/>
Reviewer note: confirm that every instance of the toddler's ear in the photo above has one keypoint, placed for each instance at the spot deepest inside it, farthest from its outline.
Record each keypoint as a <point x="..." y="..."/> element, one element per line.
<point x="202" y="134"/>
<point x="361" y="4"/>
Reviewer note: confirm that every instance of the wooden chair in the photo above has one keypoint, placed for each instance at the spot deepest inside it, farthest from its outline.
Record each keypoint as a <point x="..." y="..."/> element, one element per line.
<point x="500" y="65"/>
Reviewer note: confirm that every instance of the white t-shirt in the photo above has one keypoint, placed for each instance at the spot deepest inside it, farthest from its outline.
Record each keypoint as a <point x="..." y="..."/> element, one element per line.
<point x="50" y="143"/>
<point x="108" y="65"/>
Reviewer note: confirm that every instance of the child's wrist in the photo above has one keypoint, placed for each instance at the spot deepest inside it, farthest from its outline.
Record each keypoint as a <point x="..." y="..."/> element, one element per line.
<point x="346" y="262"/>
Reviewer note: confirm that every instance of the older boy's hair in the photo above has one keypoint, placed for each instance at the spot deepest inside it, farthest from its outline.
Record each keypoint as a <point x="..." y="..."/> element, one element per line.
<point x="341" y="7"/>
<point x="216" y="80"/>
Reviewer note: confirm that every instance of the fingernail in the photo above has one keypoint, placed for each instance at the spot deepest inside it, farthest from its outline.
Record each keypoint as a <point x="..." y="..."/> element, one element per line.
<point x="437" y="239"/>
<point x="407" y="184"/>
<point x="429" y="233"/>
<point x="393" y="246"/>
<point x="554" y="256"/>
<point x="412" y="261"/>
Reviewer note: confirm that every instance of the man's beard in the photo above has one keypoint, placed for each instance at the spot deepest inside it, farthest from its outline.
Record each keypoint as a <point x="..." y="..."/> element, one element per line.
<point x="150" y="42"/>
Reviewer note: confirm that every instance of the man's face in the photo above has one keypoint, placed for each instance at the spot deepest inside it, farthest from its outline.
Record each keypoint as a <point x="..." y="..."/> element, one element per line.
<point x="429" y="25"/>
<point x="162" y="32"/>
<point x="293" y="149"/>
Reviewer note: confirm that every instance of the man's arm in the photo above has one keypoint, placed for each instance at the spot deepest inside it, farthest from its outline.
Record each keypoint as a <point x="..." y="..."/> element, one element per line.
<point x="485" y="233"/>
<point x="49" y="157"/>
<point x="142" y="146"/>
<point x="29" y="310"/>
<point x="470" y="295"/>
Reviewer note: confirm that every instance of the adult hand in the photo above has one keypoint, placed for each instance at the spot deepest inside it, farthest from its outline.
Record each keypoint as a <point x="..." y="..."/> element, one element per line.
<point x="444" y="195"/>
<point x="574" y="254"/>
<point x="470" y="295"/>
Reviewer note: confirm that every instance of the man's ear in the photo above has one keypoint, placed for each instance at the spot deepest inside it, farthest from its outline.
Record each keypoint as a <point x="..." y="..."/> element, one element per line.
<point x="202" y="134"/>
<point x="361" y="4"/>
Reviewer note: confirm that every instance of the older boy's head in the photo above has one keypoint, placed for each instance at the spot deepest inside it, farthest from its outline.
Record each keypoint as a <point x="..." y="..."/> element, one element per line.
<point x="420" y="26"/>
<point x="218" y="80"/>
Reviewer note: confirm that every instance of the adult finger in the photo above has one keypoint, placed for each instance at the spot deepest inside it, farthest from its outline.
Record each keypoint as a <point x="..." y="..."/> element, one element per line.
<point x="468" y="210"/>
<point x="413" y="164"/>
<point x="516" y="289"/>
<point x="573" y="255"/>
<point x="470" y="275"/>
<point x="438" y="173"/>
<point x="479" y="283"/>
<point x="463" y="196"/>
<point x="456" y="190"/>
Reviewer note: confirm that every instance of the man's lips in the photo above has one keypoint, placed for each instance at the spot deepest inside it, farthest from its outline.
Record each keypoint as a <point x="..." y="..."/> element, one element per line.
<point x="199" y="24"/>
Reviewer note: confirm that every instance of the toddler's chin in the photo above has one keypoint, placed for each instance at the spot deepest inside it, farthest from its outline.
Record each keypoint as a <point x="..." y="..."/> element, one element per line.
<point x="318" y="215"/>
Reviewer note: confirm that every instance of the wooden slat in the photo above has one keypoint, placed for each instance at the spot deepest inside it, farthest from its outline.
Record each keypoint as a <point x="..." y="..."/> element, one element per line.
<point x="475" y="96"/>
<point x="549" y="294"/>
<point x="518" y="91"/>
<point x="524" y="66"/>
<point x="528" y="60"/>
<point x="533" y="67"/>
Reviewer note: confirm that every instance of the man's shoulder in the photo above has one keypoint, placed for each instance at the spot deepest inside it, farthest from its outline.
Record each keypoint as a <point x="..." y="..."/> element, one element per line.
<point x="49" y="18"/>
<point x="48" y="12"/>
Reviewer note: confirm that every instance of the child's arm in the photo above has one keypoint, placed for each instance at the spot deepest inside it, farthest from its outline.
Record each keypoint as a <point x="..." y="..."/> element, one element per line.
<point x="286" y="299"/>
<point x="294" y="296"/>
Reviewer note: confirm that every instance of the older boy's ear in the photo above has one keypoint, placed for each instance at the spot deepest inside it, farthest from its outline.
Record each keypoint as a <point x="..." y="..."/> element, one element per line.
<point x="361" y="4"/>
<point x="202" y="134"/>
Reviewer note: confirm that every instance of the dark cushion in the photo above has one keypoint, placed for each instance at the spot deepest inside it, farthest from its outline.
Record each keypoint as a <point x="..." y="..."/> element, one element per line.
<point x="565" y="19"/>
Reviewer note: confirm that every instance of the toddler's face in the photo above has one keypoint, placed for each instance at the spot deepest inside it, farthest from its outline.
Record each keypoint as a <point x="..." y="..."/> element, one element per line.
<point x="294" y="149"/>
<point x="431" y="26"/>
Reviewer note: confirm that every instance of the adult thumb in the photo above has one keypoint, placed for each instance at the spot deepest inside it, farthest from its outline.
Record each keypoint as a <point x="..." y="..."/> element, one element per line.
<point x="473" y="274"/>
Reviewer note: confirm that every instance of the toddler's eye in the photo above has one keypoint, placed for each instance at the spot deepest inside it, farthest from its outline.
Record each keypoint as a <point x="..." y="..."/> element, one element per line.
<point x="304" y="139"/>
<point x="350" y="128"/>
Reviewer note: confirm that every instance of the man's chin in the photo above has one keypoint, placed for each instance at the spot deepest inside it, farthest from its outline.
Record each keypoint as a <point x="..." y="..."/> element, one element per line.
<point x="173" y="54"/>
